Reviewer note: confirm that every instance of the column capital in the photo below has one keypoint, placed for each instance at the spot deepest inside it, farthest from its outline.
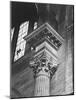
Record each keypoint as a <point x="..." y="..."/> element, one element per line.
<point x="43" y="66"/>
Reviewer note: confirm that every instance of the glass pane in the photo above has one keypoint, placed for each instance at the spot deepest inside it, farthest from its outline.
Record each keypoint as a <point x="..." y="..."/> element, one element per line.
<point x="12" y="33"/>
<point x="35" y="25"/>
<point x="20" y="49"/>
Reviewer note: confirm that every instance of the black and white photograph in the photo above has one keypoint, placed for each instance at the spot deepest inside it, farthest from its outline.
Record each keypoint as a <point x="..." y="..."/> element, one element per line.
<point x="41" y="49"/>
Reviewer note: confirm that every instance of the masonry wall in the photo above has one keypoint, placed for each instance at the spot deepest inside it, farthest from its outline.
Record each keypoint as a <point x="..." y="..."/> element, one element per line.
<point x="23" y="83"/>
<point x="62" y="81"/>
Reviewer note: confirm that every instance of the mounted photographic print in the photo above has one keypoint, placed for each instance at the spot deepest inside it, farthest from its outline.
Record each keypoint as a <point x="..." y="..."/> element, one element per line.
<point x="42" y="49"/>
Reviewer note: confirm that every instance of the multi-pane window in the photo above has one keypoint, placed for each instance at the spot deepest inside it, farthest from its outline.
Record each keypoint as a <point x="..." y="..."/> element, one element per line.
<point x="21" y="43"/>
<point x="12" y="33"/>
<point x="35" y="25"/>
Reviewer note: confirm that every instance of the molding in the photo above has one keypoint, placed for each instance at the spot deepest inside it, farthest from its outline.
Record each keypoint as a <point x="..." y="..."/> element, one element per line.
<point x="41" y="28"/>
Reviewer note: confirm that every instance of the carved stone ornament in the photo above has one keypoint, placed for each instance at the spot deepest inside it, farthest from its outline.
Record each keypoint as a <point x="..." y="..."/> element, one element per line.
<point x="41" y="65"/>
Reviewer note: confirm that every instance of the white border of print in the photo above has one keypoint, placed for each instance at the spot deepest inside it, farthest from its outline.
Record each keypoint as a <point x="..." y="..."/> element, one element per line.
<point x="5" y="48"/>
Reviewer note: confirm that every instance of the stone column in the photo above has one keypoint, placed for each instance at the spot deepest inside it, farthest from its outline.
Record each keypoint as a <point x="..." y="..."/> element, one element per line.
<point x="44" y="43"/>
<point x="43" y="70"/>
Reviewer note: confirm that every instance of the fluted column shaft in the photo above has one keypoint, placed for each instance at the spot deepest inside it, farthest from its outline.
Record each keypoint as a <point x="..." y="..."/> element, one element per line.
<point x="43" y="71"/>
<point x="42" y="83"/>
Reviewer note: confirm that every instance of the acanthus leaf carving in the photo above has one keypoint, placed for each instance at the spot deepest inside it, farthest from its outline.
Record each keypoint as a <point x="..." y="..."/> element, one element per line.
<point x="44" y="65"/>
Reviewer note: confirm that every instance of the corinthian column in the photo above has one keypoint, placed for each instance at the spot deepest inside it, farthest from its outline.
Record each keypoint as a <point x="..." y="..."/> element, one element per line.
<point x="43" y="70"/>
<point x="44" y="43"/>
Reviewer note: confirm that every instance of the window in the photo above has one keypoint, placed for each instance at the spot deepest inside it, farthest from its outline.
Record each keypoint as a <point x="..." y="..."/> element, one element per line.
<point x="12" y="33"/>
<point x="35" y="25"/>
<point x="21" y="43"/>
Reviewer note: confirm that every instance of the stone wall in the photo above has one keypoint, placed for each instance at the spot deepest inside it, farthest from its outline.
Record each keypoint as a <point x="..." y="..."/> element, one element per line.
<point x="62" y="81"/>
